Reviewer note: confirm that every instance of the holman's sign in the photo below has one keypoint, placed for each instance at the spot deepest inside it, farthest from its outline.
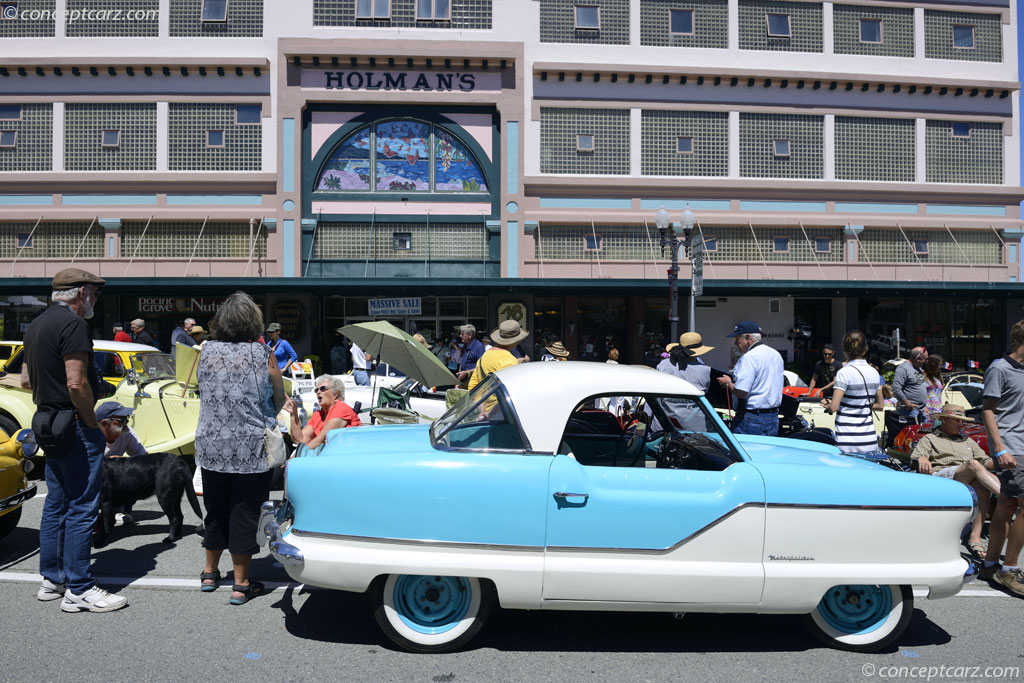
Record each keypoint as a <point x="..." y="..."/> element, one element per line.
<point x="417" y="81"/>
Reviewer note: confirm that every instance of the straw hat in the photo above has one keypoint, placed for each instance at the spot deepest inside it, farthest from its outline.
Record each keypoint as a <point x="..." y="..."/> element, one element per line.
<point x="508" y="333"/>
<point x="954" y="411"/>
<point x="197" y="329"/>
<point x="556" y="349"/>
<point x="693" y="344"/>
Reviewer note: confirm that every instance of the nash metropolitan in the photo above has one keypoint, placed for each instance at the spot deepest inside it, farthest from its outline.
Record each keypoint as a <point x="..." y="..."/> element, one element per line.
<point x="529" y="493"/>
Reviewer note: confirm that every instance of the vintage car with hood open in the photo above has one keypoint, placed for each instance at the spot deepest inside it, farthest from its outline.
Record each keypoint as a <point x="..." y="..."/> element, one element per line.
<point x="529" y="493"/>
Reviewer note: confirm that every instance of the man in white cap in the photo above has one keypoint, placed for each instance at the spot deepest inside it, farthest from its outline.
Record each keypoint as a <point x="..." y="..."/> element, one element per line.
<point x="758" y="380"/>
<point x="503" y="338"/>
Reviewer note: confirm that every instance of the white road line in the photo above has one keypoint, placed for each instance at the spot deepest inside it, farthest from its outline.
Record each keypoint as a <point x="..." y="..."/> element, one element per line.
<point x="144" y="582"/>
<point x="174" y="582"/>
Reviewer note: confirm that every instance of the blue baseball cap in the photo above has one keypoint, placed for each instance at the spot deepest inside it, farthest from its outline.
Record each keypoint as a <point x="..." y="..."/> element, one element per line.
<point x="105" y="411"/>
<point x="745" y="327"/>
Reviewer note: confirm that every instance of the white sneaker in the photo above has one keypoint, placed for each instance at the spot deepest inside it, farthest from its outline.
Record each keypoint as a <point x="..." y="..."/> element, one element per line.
<point x="48" y="590"/>
<point x="93" y="600"/>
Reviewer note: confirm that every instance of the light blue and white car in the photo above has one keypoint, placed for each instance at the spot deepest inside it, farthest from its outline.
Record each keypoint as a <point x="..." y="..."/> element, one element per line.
<point x="528" y="494"/>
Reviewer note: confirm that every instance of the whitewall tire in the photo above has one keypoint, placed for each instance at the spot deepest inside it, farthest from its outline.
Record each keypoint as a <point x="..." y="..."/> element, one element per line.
<point x="431" y="613"/>
<point x="861" y="618"/>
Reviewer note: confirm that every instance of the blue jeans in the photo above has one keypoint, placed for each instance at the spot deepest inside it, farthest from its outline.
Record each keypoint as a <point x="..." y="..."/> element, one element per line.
<point x="362" y="377"/>
<point x="762" y="424"/>
<point x="69" y="513"/>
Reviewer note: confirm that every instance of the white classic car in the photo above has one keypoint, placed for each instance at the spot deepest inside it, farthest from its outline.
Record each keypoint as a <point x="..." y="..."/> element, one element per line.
<point x="526" y="493"/>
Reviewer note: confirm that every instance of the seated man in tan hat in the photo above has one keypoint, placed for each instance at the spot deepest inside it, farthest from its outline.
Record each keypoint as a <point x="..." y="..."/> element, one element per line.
<point x="503" y="339"/>
<point x="946" y="452"/>
<point x="198" y="335"/>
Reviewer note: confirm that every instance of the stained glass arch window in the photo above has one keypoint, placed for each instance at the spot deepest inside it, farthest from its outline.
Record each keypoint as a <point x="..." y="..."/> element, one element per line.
<point x="402" y="155"/>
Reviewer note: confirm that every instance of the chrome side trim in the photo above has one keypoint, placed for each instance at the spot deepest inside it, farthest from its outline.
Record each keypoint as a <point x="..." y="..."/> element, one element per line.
<point x="825" y="506"/>
<point x="420" y="542"/>
<point x="18" y="498"/>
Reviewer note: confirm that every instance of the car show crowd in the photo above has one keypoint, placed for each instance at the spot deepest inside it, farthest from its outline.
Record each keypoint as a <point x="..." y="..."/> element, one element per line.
<point x="241" y="392"/>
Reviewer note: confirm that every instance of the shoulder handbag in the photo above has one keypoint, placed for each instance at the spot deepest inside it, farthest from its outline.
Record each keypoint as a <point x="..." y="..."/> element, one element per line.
<point x="54" y="429"/>
<point x="273" y="440"/>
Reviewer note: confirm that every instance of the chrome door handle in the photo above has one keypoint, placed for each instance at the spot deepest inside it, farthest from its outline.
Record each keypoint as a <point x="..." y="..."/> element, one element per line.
<point x="565" y="494"/>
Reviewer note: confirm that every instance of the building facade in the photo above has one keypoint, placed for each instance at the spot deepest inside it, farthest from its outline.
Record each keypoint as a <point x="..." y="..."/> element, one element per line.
<point x="437" y="162"/>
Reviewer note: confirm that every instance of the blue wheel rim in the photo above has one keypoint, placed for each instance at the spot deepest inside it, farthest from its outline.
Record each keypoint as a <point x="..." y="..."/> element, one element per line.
<point x="432" y="604"/>
<point x="855" y="610"/>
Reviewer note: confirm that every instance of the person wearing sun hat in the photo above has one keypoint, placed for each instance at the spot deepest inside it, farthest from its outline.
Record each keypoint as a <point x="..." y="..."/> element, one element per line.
<point x="684" y="360"/>
<point x="503" y="338"/>
<point x="947" y="452"/>
<point x="555" y="351"/>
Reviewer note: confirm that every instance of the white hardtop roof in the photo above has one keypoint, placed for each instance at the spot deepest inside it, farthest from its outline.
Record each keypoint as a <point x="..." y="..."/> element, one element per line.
<point x="105" y="345"/>
<point x="544" y="393"/>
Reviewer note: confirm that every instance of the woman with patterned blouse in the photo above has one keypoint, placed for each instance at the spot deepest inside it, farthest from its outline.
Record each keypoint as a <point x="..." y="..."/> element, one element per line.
<point x="240" y="394"/>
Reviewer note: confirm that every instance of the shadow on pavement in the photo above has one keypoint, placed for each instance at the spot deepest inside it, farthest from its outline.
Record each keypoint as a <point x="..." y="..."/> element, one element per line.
<point x="21" y="544"/>
<point x="330" y="617"/>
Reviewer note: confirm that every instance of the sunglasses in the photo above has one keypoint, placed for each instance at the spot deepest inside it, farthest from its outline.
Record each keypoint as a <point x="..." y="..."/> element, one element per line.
<point x="323" y="388"/>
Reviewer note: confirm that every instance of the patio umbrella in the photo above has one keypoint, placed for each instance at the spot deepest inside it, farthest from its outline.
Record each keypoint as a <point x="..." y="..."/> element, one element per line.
<point x="386" y="342"/>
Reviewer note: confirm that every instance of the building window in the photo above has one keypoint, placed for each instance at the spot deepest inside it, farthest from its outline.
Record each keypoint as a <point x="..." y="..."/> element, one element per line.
<point x="8" y="138"/>
<point x="373" y="9"/>
<point x="24" y="240"/>
<point x="684" y="145"/>
<point x="823" y="245"/>
<point x="591" y="242"/>
<point x="870" y="30"/>
<point x="401" y="241"/>
<point x="214" y="138"/>
<point x="781" y="148"/>
<point x="963" y="36"/>
<point x="110" y="138"/>
<point x="778" y="25"/>
<point x="215" y="11"/>
<point x="960" y="129"/>
<point x="248" y="113"/>
<point x="433" y="10"/>
<point x="585" y="143"/>
<point x="680" y="22"/>
<point x="10" y="112"/>
<point x="921" y="247"/>
<point x="710" y="243"/>
<point x="780" y="245"/>
<point x="588" y="17"/>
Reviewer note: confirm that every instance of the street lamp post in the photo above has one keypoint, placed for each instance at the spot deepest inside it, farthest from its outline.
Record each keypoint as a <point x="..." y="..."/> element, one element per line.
<point x="663" y="221"/>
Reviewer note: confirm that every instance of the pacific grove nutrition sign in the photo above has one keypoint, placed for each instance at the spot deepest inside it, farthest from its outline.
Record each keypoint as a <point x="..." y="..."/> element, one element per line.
<point x="421" y="81"/>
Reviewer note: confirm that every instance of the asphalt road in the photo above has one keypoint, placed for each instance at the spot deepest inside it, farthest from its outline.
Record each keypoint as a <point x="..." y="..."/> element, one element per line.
<point x="171" y="631"/>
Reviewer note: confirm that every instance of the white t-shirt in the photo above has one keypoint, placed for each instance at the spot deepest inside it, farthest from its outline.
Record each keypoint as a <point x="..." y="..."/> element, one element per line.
<point x="359" y="361"/>
<point x="125" y="444"/>
<point x="759" y="373"/>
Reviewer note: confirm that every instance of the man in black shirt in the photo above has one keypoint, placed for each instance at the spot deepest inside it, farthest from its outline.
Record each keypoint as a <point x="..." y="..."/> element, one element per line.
<point x="825" y="370"/>
<point x="139" y="334"/>
<point x="60" y="372"/>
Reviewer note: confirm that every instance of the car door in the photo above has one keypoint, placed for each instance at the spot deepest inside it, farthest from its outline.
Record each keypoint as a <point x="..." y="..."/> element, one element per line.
<point x="654" y="535"/>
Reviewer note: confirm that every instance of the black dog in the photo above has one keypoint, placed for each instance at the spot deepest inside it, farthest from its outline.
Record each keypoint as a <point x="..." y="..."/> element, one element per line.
<point x="127" y="480"/>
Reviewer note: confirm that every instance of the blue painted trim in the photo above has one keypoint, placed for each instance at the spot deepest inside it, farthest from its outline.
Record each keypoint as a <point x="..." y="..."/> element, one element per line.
<point x="680" y="204"/>
<point x="512" y="251"/>
<point x="34" y="199"/>
<point x="512" y="157"/>
<point x="853" y="229"/>
<point x="110" y="223"/>
<point x="288" y="162"/>
<point x="871" y="207"/>
<point x="782" y="206"/>
<point x="957" y="210"/>
<point x="233" y="199"/>
<point x="308" y="223"/>
<point x="98" y="199"/>
<point x="288" y="251"/>
<point x="584" y="203"/>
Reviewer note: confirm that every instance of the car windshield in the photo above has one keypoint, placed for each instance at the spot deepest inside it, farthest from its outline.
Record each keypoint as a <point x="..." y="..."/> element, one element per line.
<point x="150" y="366"/>
<point x="483" y="419"/>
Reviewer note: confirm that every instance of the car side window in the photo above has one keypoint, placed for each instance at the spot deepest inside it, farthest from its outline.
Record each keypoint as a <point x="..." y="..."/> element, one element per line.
<point x="482" y="421"/>
<point x="108" y="364"/>
<point x="674" y="432"/>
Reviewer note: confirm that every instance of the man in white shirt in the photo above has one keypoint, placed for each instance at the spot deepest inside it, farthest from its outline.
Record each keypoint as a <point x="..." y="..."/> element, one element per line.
<point x="361" y="365"/>
<point x="758" y="375"/>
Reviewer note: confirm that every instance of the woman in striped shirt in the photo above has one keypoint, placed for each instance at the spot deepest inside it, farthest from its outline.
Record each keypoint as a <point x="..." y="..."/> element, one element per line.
<point x="858" y="392"/>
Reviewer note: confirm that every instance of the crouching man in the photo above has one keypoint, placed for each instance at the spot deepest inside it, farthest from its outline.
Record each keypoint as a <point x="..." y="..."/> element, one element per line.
<point x="121" y="441"/>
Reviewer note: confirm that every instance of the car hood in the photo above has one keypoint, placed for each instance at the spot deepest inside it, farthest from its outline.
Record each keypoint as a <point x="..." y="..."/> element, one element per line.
<point x="763" y="450"/>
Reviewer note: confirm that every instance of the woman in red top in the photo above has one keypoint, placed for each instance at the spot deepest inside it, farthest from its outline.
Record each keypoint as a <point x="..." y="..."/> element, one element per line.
<point x="334" y="413"/>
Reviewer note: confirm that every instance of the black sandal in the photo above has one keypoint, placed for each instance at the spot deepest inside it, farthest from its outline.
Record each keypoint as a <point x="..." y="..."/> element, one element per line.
<point x="255" y="588"/>
<point x="209" y="576"/>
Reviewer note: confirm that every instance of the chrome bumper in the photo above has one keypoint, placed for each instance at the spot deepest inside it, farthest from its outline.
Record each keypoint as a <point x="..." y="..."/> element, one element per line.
<point x="18" y="498"/>
<point x="268" y="532"/>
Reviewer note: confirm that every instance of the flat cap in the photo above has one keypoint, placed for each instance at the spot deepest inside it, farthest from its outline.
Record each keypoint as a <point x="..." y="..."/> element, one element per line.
<point x="76" y="277"/>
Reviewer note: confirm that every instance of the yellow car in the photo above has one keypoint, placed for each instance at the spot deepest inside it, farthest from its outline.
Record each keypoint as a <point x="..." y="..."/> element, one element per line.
<point x="14" y="469"/>
<point x="113" y="359"/>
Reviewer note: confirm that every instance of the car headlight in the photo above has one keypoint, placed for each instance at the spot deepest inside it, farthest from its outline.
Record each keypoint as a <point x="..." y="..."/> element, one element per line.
<point x="27" y="439"/>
